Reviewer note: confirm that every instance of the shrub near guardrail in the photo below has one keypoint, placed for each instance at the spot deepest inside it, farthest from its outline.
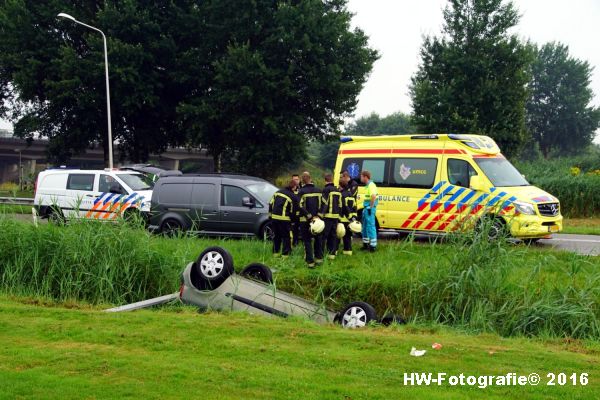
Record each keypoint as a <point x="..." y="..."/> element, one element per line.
<point x="579" y="195"/>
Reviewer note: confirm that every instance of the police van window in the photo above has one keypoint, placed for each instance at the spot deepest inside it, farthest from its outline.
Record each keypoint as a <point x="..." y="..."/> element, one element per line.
<point x="81" y="182"/>
<point x="233" y="196"/>
<point x="107" y="182"/>
<point x="413" y="172"/>
<point x="377" y="166"/>
<point x="460" y="172"/>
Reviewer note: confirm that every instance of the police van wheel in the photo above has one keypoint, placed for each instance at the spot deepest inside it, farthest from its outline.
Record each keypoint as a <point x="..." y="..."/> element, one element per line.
<point x="356" y="315"/>
<point x="213" y="266"/>
<point x="259" y="272"/>
<point x="56" y="217"/>
<point x="266" y="231"/>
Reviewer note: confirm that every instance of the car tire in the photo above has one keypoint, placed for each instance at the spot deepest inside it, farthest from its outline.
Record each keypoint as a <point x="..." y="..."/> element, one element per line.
<point x="494" y="228"/>
<point x="356" y="315"/>
<point x="213" y="266"/>
<point x="532" y="241"/>
<point x="389" y="319"/>
<point x="171" y="227"/>
<point x="266" y="231"/>
<point x="259" y="272"/>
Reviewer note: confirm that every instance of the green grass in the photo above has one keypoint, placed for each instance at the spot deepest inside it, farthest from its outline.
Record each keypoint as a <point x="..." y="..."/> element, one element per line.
<point x="479" y="286"/>
<point x="582" y="226"/>
<point x="51" y="352"/>
<point x="14" y="209"/>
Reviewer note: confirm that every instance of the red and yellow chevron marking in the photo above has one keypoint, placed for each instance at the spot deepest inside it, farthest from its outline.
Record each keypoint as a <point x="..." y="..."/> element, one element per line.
<point x="439" y="215"/>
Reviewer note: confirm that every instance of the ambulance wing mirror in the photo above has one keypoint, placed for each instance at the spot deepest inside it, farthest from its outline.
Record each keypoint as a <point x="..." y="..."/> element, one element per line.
<point x="476" y="183"/>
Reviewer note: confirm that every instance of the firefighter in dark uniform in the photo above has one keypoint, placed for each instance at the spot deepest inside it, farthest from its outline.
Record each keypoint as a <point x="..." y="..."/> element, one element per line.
<point x="296" y="218"/>
<point x="310" y="200"/>
<point x="351" y="184"/>
<point x="331" y="208"/>
<point x="282" y="208"/>
<point x="348" y="213"/>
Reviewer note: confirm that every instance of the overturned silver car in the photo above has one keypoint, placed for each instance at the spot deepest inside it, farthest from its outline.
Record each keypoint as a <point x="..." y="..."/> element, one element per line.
<point x="212" y="284"/>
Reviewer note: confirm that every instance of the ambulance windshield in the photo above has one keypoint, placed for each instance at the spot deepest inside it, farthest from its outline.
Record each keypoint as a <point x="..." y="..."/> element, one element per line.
<point x="501" y="172"/>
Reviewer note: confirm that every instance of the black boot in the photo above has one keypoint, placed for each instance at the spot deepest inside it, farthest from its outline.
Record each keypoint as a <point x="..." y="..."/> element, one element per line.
<point x="365" y="247"/>
<point x="372" y="249"/>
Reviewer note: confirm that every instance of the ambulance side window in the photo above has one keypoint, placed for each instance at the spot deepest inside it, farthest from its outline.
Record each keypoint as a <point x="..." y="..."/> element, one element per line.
<point x="378" y="167"/>
<point x="460" y="172"/>
<point x="418" y="173"/>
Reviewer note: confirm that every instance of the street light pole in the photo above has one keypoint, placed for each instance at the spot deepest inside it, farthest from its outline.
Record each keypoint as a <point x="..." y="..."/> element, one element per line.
<point x="110" y="141"/>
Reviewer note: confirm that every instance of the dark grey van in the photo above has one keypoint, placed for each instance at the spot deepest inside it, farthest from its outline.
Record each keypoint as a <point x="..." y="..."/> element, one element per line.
<point x="213" y="204"/>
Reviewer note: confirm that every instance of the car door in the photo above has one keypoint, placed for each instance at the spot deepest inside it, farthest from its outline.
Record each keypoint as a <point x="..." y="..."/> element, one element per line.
<point x="80" y="195"/>
<point x="204" y="207"/>
<point x="107" y="200"/>
<point x="235" y="216"/>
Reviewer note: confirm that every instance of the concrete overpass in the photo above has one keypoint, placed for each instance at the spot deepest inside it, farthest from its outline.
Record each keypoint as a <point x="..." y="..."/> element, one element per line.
<point x="33" y="158"/>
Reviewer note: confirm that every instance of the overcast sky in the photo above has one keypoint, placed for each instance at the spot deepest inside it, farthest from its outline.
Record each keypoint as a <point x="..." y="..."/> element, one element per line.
<point x="396" y="29"/>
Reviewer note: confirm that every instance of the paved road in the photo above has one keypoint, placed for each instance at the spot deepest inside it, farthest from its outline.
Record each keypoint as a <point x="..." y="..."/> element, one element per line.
<point x="582" y="244"/>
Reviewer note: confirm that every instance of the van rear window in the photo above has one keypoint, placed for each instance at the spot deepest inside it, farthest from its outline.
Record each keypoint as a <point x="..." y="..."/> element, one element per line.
<point x="377" y="166"/>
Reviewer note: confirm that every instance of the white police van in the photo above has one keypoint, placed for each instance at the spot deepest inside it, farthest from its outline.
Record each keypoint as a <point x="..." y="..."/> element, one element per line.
<point x="62" y="194"/>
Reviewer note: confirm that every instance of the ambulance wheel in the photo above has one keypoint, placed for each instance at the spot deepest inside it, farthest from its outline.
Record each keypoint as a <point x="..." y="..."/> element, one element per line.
<point x="356" y="315"/>
<point x="494" y="228"/>
<point x="259" y="272"/>
<point x="212" y="267"/>
<point x="531" y="241"/>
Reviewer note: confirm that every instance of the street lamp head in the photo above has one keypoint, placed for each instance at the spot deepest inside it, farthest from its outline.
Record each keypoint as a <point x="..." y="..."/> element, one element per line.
<point x="67" y="16"/>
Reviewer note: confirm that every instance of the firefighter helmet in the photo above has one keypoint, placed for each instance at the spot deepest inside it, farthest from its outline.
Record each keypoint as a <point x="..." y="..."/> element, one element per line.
<point x="355" y="226"/>
<point x="340" y="230"/>
<point x="316" y="226"/>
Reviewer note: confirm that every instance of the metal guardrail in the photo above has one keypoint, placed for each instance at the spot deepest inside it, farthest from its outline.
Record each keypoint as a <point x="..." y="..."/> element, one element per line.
<point x="18" y="201"/>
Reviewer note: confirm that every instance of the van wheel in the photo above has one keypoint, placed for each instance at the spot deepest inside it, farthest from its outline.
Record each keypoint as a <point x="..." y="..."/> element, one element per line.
<point x="213" y="266"/>
<point x="132" y="215"/>
<point x="493" y="228"/>
<point x="356" y="315"/>
<point x="171" y="227"/>
<point x="56" y="217"/>
<point x="266" y="231"/>
<point x="259" y="272"/>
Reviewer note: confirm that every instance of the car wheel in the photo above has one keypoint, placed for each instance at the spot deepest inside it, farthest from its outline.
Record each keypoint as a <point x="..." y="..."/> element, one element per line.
<point x="390" y="318"/>
<point x="493" y="228"/>
<point x="356" y="315"/>
<point x="259" y="272"/>
<point x="213" y="266"/>
<point x="266" y="231"/>
<point x="171" y="227"/>
<point x="531" y="241"/>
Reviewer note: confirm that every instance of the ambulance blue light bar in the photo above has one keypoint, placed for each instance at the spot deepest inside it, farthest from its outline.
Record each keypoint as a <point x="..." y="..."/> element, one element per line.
<point x="345" y="139"/>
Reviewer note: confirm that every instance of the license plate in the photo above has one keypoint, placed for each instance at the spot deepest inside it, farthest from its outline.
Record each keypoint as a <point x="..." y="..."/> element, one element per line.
<point x="553" y="228"/>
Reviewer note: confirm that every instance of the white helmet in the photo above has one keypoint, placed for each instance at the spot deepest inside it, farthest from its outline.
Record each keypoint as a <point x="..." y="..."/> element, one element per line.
<point x="355" y="226"/>
<point x="317" y="226"/>
<point x="340" y="230"/>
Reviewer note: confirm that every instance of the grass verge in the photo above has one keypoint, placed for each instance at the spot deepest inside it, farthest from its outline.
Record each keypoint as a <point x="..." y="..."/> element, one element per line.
<point x="53" y="352"/>
<point x="582" y="226"/>
<point x="480" y="286"/>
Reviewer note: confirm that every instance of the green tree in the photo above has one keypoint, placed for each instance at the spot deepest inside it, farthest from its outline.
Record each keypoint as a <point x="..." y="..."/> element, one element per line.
<point x="54" y="70"/>
<point x="559" y="115"/>
<point x="397" y="123"/>
<point x="473" y="78"/>
<point x="251" y="81"/>
<point x="280" y="74"/>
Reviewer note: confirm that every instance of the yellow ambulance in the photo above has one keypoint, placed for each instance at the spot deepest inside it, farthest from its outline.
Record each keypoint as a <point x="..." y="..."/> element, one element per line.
<point x="447" y="182"/>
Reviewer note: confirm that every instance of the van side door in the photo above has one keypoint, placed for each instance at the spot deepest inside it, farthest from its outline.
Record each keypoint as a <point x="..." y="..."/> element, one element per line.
<point x="204" y="207"/>
<point x="415" y="180"/>
<point x="80" y="194"/>
<point x="459" y="201"/>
